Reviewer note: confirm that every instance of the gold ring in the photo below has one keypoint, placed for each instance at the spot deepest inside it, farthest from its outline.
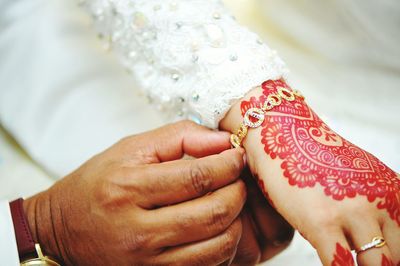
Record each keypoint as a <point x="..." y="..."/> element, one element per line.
<point x="377" y="242"/>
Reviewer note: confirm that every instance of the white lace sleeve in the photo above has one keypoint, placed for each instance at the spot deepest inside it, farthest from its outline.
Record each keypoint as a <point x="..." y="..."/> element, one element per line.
<point x="190" y="56"/>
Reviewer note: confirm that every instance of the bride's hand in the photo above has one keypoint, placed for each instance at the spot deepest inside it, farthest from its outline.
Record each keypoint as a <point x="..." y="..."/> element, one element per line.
<point x="337" y="195"/>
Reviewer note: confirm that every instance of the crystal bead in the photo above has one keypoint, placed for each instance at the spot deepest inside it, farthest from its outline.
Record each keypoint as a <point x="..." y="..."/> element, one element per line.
<point x="139" y="21"/>
<point x="165" y="99"/>
<point x="216" y="15"/>
<point x="179" y="25"/>
<point x="215" y="35"/>
<point x="175" y="76"/>
<point x="132" y="54"/>
<point x="149" y="35"/>
<point x="173" y="6"/>
<point x="194" y="46"/>
<point x="195" y="58"/>
<point x="233" y="57"/>
<point x="196" y="97"/>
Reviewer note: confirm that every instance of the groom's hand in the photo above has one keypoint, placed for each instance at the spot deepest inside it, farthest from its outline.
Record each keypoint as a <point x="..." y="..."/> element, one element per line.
<point x="140" y="203"/>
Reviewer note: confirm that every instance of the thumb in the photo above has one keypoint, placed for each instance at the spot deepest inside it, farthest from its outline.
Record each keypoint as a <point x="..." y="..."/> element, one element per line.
<point x="171" y="142"/>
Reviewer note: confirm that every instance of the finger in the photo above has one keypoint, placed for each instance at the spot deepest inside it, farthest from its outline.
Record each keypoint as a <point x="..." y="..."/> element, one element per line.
<point x="362" y="232"/>
<point x="182" y="180"/>
<point x="248" y="252"/>
<point x="213" y="251"/>
<point x="197" y="219"/>
<point x="275" y="233"/>
<point x="171" y="142"/>
<point x="391" y="233"/>
<point x="332" y="248"/>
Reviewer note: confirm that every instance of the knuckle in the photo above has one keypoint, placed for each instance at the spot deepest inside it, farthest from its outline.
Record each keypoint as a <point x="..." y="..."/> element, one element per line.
<point x="232" y="165"/>
<point x="326" y="218"/>
<point x="185" y="222"/>
<point x="220" y="215"/>
<point x="230" y="242"/>
<point x="112" y="192"/>
<point x="199" y="179"/>
<point x="135" y="242"/>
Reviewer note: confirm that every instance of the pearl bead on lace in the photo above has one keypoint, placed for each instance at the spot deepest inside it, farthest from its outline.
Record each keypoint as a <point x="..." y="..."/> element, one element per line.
<point x="173" y="46"/>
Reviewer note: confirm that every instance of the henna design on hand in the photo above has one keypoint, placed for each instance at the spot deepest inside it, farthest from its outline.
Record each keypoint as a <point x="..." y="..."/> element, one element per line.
<point x="312" y="153"/>
<point x="342" y="257"/>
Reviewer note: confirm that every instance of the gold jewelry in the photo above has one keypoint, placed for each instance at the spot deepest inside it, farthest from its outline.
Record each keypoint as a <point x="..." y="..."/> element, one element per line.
<point x="41" y="260"/>
<point x="377" y="242"/>
<point x="258" y="113"/>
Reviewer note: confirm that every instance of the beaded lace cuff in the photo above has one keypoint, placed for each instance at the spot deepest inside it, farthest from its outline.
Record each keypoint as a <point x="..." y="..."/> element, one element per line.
<point x="190" y="57"/>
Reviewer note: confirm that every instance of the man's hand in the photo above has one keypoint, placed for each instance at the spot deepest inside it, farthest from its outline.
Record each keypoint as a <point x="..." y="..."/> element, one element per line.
<point x="140" y="203"/>
<point x="265" y="233"/>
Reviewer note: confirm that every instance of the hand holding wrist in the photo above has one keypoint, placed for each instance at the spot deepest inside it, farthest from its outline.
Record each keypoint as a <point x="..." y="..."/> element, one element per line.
<point x="137" y="203"/>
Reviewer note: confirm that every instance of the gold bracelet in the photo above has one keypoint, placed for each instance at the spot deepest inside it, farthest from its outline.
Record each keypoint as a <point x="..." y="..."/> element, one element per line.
<point x="273" y="100"/>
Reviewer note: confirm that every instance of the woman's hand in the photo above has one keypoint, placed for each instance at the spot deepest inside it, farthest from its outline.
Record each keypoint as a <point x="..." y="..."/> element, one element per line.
<point x="337" y="195"/>
<point x="138" y="203"/>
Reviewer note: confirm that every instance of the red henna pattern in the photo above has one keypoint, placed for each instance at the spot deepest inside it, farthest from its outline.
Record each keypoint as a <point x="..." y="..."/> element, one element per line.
<point x="386" y="261"/>
<point x="342" y="257"/>
<point x="312" y="153"/>
<point x="264" y="191"/>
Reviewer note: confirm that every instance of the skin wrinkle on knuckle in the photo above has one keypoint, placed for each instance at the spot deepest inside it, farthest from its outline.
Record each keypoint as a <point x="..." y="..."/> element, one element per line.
<point x="199" y="178"/>
<point x="229" y="243"/>
<point x="185" y="221"/>
<point x="135" y="241"/>
<point x="220" y="215"/>
<point x="232" y="164"/>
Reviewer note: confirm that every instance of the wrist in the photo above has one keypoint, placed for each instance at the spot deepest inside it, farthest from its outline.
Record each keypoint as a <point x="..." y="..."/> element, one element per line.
<point x="41" y="223"/>
<point x="232" y="121"/>
<point x="234" y="117"/>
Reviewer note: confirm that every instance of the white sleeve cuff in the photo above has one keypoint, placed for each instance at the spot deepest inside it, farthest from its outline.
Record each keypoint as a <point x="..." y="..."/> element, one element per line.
<point x="8" y="245"/>
<point x="190" y="57"/>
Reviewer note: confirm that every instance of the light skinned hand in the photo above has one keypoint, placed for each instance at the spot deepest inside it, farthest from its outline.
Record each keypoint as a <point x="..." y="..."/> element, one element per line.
<point x="337" y="195"/>
<point x="140" y="203"/>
